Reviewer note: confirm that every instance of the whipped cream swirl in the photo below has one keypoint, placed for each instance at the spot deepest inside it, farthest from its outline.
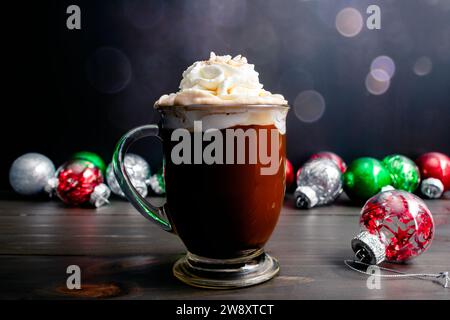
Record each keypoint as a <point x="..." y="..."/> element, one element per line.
<point x="221" y="80"/>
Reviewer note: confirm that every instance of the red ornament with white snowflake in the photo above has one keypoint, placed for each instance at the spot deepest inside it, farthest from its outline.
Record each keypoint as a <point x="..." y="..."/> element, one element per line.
<point x="332" y="156"/>
<point x="395" y="226"/>
<point x="80" y="182"/>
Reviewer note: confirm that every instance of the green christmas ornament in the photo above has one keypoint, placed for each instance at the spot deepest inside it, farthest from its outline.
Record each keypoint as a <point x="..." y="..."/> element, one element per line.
<point x="364" y="178"/>
<point x="404" y="172"/>
<point x="93" y="158"/>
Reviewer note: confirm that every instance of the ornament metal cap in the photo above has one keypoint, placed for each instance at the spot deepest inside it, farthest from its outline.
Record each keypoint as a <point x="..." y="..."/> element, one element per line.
<point x="368" y="248"/>
<point x="51" y="186"/>
<point x="305" y="197"/>
<point x="387" y="188"/>
<point x="432" y="188"/>
<point x="100" y="195"/>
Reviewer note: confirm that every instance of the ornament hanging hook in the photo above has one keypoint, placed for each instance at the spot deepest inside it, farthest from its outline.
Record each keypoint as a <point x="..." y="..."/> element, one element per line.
<point x="441" y="277"/>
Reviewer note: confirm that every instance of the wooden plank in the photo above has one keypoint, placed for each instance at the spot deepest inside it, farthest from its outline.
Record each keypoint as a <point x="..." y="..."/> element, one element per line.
<point x="114" y="244"/>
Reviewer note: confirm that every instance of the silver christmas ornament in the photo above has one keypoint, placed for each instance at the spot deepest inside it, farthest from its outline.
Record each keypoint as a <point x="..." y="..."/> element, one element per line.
<point x="137" y="169"/>
<point x="30" y="173"/>
<point x="136" y="166"/>
<point x="319" y="183"/>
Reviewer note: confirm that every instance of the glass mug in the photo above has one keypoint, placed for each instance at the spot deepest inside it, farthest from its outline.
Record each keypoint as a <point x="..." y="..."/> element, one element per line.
<point x="224" y="188"/>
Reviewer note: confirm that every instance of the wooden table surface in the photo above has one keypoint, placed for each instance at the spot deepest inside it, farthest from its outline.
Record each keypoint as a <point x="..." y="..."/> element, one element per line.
<point x="117" y="248"/>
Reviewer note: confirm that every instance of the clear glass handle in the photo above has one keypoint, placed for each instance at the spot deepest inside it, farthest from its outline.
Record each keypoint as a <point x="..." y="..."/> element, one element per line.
<point x="154" y="213"/>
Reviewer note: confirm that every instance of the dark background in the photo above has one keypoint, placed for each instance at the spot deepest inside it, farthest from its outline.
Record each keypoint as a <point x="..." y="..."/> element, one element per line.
<point x="71" y="90"/>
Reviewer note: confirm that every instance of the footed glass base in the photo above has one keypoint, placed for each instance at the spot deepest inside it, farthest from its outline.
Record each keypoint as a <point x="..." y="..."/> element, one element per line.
<point x="241" y="272"/>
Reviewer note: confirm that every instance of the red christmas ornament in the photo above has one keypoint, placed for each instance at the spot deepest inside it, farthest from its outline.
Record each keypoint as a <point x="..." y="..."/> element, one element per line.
<point x="332" y="156"/>
<point x="80" y="182"/>
<point x="396" y="226"/>
<point x="289" y="174"/>
<point x="434" y="169"/>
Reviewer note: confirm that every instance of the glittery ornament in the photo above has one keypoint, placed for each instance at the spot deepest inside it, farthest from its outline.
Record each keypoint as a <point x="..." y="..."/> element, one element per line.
<point x="94" y="158"/>
<point x="136" y="167"/>
<point x="395" y="226"/>
<point x="332" y="156"/>
<point x="31" y="173"/>
<point x="138" y="171"/>
<point x="404" y="172"/>
<point x="319" y="183"/>
<point x="289" y="174"/>
<point x="80" y="182"/>
<point x="434" y="168"/>
<point x="364" y="178"/>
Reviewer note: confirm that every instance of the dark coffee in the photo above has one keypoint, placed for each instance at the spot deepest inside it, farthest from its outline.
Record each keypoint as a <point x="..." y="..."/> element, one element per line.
<point x="223" y="210"/>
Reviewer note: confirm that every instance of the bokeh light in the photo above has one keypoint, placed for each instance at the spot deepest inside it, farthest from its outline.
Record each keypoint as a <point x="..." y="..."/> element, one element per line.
<point x="349" y="22"/>
<point x="423" y="66"/>
<point x="309" y="106"/>
<point x="377" y="81"/>
<point x="108" y="70"/>
<point x="384" y="63"/>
